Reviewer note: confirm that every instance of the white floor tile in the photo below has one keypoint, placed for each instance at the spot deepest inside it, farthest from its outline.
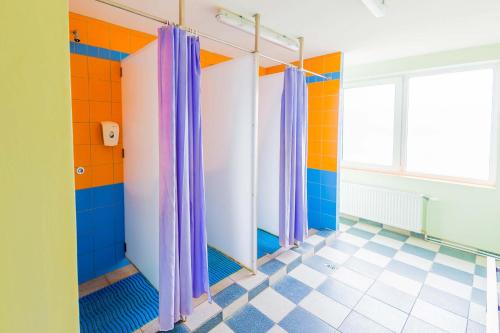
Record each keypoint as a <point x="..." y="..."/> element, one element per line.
<point x="221" y="328"/>
<point x="354" y="240"/>
<point x="272" y="304"/>
<point x="368" y="227"/>
<point x="343" y="227"/>
<point x="372" y="257"/>
<point x="201" y="314"/>
<point x="395" y="244"/>
<point x="439" y="317"/>
<point x="325" y="308"/>
<point x="152" y="327"/>
<point x="448" y="285"/>
<point x="307" y="275"/>
<point x="477" y="313"/>
<point x="413" y="260"/>
<point x="229" y="310"/>
<point x="314" y="240"/>
<point x="401" y="283"/>
<point x="352" y="279"/>
<point x="248" y="280"/>
<point x="276" y="329"/>
<point x="479" y="282"/>
<point x="423" y="243"/>
<point x="455" y="263"/>
<point x="288" y="256"/>
<point x="334" y="255"/>
<point x="382" y="313"/>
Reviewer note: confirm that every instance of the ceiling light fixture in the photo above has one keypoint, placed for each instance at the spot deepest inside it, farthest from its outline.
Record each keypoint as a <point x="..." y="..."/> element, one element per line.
<point x="248" y="25"/>
<point x="376" y="7"/>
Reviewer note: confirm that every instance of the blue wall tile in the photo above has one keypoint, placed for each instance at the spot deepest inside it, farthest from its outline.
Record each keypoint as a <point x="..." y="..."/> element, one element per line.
<point x="85" y="244"/>
<point x="314" y="218"/>
<point x="329" y="192"/>
<point x="313" y="175"/>
<point x="107" y="195"/>
<point x="104" y="259"/>
<point x="104" y="226"/>
<point x="328" y="178"/>
<point x="314" y="204"/>
<point x="97" y="52"/>
<point x="100" y="229"/>
<point x="85" y="267"/>
<point x="92" y="51"/>
<point x="83" y="199"/>
<point x="84" y="223"/>
<point x="322" y="199"/>
<point x="80" y="48"/>
<point x="119" y="251"/>
<point x="114" y="55"/>
<point x="328" y="207"/>
<point x="314" y="190"/>
<point x="103" y="53"/>
<point x="329" y="76"/>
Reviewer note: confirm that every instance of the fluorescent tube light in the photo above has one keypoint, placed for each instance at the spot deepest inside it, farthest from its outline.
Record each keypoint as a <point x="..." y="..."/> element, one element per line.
<point x="247" y="25"/>
<point x="376" y="7"/>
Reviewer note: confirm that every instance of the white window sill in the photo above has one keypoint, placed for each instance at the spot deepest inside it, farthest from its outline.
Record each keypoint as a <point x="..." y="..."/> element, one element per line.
<point x="423" y="177"/>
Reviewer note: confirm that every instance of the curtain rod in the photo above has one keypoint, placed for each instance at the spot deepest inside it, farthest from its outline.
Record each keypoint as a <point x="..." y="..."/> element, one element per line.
<point x="196" y="32"/>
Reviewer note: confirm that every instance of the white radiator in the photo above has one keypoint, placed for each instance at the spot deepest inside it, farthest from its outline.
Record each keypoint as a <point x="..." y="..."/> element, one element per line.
<point x="395" y="208"/>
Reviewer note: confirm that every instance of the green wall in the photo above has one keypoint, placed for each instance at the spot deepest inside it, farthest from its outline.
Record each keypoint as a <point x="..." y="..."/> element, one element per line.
<point x="460" y="213"/>
<point x="38" y="280"/>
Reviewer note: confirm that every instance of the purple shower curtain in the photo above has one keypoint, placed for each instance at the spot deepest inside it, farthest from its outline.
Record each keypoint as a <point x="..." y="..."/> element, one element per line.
<point x="293" y="224"/>
<point x="183" y="243"/>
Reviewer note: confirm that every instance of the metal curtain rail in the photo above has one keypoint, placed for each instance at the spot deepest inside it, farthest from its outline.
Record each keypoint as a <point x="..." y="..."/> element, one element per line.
<point x="196" y="32"/>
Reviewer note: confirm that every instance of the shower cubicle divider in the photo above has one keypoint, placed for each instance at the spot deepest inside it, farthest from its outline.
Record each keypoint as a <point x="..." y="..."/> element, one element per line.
<point x="228" y="94"/>
<point x="229" y="139"/>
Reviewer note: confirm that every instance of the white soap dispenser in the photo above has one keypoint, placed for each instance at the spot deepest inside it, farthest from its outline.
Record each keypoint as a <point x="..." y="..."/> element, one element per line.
<point x="110" y="133"/>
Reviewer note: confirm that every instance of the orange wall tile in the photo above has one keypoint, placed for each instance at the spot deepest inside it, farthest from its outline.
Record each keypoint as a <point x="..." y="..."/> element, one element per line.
<point x="119" y="39"/>
<point x="79" y="66"/>
<point x="80" y="110"/>
<point x="98" y="33"/>
<point x="99" y="68"/>
<point x="99" y="111"/>
<point x="102" y="175"/>
<point x="323" y="111"/>
<point x="96" y="93"/>
<point x="79" y="23"/>
<point x="139" y="39"/>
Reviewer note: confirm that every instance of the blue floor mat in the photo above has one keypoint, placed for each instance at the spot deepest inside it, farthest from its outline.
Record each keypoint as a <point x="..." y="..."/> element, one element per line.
<point x="266" y="243"/>
<point x="220" y="266"/>
<point x="131" y="303"/>
<point x="121" y="307"/>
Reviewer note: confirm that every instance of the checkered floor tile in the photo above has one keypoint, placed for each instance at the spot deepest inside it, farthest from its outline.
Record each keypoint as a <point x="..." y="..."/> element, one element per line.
<point x="371" y="279"/>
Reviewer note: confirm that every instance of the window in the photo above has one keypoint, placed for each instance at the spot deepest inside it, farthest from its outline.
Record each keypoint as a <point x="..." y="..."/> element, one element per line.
<point x="435" y="124"/>
<point x="369" y="124"/>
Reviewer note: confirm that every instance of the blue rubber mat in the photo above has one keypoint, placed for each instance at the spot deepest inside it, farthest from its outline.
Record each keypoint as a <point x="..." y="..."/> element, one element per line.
<point x="266" y="243"/>
<point x="121" y="307"/>
<point x="220" y="266"/>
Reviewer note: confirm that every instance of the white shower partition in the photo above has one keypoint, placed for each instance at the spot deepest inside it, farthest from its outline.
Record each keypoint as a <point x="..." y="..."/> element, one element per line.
<point x="228" y="108"/>
<point x="229" y="139"/>
<point x="141" y="162"/>
<point x="270" y="90"/>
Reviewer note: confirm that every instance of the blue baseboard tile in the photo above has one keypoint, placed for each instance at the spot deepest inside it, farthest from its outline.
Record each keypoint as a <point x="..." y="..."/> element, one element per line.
<point x="96" y="52"/>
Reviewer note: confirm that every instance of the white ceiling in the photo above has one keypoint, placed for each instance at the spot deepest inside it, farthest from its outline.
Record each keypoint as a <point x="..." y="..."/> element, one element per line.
<point x="410" y="27"/>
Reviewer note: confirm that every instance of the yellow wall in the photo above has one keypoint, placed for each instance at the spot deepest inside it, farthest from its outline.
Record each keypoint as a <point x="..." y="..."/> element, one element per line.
<point x="38" y="281"/>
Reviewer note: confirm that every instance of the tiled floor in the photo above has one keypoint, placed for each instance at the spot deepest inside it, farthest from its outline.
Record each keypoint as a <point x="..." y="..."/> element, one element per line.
<point x="370" y="280"/>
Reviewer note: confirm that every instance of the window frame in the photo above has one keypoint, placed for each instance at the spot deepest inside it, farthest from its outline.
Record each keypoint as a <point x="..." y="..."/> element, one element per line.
<point x="401" y="109"/>
<point x="396" y="149"/>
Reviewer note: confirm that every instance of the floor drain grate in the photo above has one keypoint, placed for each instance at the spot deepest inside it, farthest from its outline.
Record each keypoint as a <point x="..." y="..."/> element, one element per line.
<point x="330" y="266"/>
